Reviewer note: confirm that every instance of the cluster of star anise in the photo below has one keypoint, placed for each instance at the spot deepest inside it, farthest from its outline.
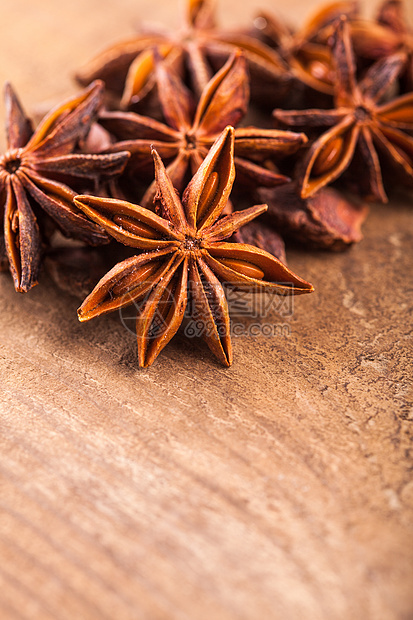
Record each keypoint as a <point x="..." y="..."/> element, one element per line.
<point x="147" y="155"/>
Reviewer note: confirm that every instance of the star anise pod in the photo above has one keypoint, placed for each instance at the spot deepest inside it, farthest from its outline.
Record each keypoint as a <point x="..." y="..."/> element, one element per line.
<point x="183" y="141"/>
<point x="262" y="235"/>
<point x="184" y="254"/>
<point x="358" y="124"/>
<point x="327" y="220"/>
<point x="305" y="50"/>
<point x="75" y="269"/>
<point x="127" y="67"/>
<point x="389" y="34"/>
<point x="34" y="173"/>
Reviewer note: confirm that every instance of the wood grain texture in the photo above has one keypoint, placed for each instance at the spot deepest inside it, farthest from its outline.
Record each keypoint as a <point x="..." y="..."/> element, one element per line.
<point x="279" y="489"/>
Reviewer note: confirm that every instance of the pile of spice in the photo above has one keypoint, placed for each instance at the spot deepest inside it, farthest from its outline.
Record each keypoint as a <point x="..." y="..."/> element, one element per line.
<point x="168" y="123"/>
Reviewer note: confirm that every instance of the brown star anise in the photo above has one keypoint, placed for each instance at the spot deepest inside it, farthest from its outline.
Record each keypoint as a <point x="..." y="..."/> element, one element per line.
<point x="127" y="67"/>
<point x="327" y="220"/>
<point x="184" y="254"/>
<point x="190" y="131"/>
<point x="305" y="50"/>
<point x="33" y="176"/>
<point x="357" y="124"/>
<point x="260" y="234"/>
<point x="390" y="34"/>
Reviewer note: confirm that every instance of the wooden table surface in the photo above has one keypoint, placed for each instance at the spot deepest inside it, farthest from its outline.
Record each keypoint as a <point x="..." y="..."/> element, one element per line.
<point x="279" y="489"/>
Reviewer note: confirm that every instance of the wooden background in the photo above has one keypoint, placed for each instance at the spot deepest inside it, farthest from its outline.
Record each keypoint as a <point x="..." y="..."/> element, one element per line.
<point x="279" y="489"/>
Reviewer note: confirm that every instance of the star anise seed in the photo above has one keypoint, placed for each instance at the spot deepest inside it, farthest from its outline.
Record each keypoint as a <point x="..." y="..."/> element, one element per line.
<point x="184" y="254"/>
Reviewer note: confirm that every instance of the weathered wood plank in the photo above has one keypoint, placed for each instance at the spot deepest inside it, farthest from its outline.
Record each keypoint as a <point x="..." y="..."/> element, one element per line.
<point x="279" y="489"/>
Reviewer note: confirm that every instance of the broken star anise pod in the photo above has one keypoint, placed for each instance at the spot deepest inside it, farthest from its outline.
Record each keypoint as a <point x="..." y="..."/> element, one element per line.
<point x="184" y="255"/>
<point x="34" y="172"/>
<point x="327" y="220"/>
<point x="197" y="47"/>
<point x="305" y="50"/>
<point x="359" y="124"/>
<point x="262" y="235"/>
<point x="183" y="141"/>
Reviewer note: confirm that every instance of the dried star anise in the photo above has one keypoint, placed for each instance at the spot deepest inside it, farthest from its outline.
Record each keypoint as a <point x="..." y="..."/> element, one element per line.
<point x="76" y="269"/>
<point x="34" y="173"/>
<point x="191" y="130"/>
<point x="390" y="34"/>
<point x="262" y="235"/>
<point x="358" y="124"/>
<point x="184" y="255"/>
<point x="305" y="50"/>
<point x="127" y="67"/>
<point x="327" y="220"/>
